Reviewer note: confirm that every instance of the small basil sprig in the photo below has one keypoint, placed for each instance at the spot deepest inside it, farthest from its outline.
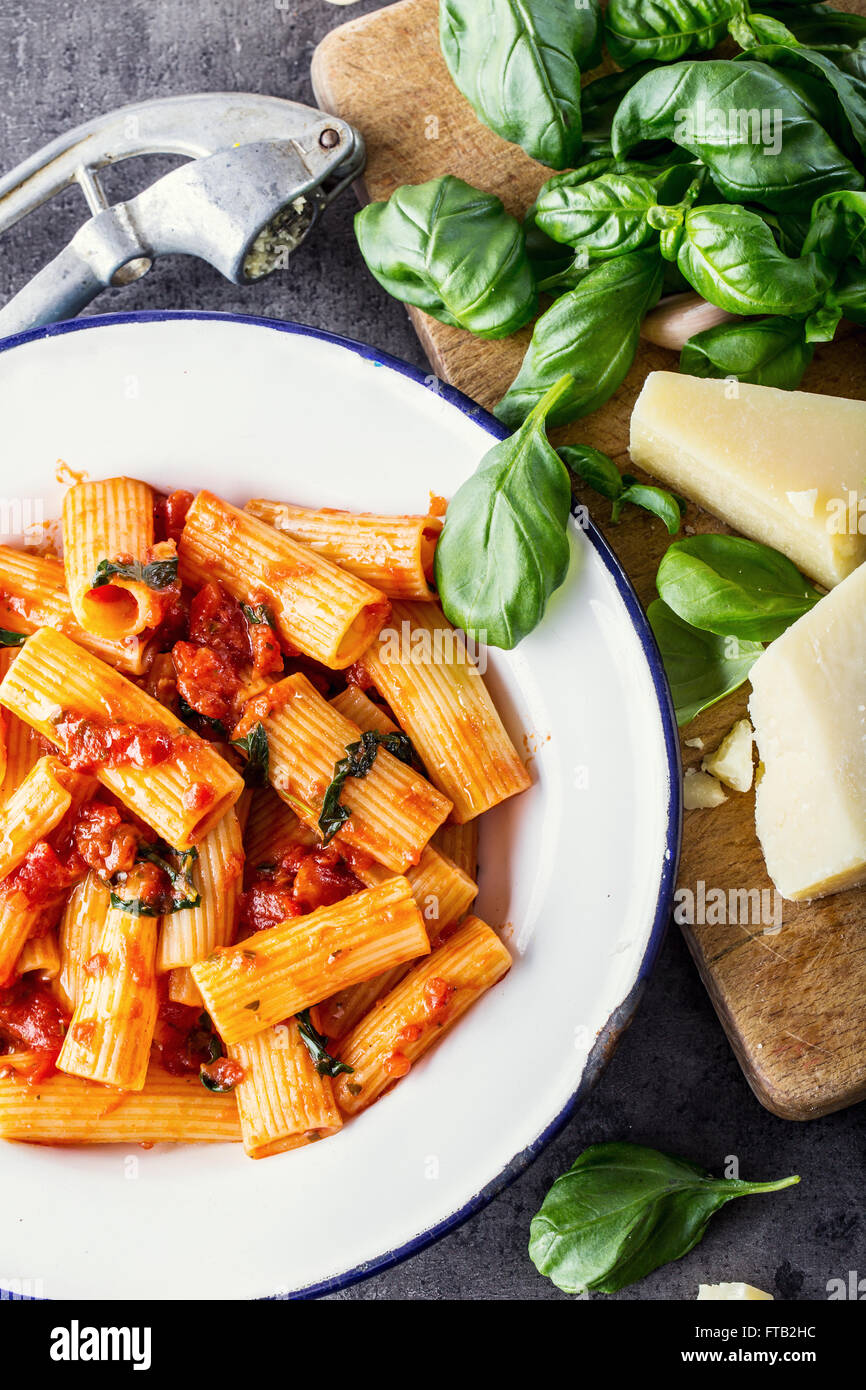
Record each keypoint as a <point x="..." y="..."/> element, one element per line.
<point x="591" y="334"/>
<point x="701" y="668"/>
<point x="766" y="352"/>
<point x="602" y="474"/>
<point x="258" y="754"/>
<point x="178" y="865"/>
<point x="706" y="107"/>
<point x="518" y="63"/>
<point x="733" y="587"/>
<point x="317" y="1046"/>
<point x="359" y="759"/>
<point x="12" y="639"/>
<point x="623" y="1210"/>
<point x="729" y="255"/>
<point x="504" y="547"/>
<point x="159" y="574"/>
<point x="452" y="251"/>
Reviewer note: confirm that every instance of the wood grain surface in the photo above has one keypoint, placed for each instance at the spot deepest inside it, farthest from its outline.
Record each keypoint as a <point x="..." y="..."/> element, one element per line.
<point x="791" y="997"/>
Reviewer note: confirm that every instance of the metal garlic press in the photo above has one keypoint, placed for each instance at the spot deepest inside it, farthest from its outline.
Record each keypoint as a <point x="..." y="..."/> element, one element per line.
<point x="261" y="172"/>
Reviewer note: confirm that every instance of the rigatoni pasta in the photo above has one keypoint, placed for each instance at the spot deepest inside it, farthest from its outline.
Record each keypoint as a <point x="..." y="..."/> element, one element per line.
<point x="384" y="1045"/>
<point x="78" y="702"/>
<point x="424" y="670"/>
<point x="234" y="888"/>
<point x="110" y="520"/>
<point x="277" y="972"/>
<point x="322" y="610"/>
<point x="283" y="1102"/>
<point x="394" y="810"/>
<point x="393" y="553"/>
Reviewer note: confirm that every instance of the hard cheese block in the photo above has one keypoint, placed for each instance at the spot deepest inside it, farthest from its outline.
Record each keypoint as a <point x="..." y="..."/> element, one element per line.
<point x="783" y="467"/>
<point x="808" y="707"/>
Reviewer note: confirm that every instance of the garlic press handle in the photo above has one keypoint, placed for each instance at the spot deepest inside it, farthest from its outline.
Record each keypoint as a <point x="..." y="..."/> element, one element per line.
<point x="59" y="291"/>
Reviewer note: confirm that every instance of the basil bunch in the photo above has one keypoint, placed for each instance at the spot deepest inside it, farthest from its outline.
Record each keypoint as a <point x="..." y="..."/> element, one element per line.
<point x="623" y="1210"/>
<point x="453" y="251"/>
<point x="591" y="333"/>
<point x="504" y="547"/>
<point x="518" y="62"/>
<point x="765" y="352"/>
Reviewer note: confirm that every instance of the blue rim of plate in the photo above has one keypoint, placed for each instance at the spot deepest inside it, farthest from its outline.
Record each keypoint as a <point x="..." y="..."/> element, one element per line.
<point x="609" y="1035"/>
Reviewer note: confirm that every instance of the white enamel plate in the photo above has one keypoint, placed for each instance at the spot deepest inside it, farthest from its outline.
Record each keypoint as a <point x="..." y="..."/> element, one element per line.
<point x="578" y="871"/>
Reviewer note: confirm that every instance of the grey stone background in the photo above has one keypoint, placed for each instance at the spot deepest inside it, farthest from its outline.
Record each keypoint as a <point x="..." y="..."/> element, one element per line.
<point x="674" y="1082"/>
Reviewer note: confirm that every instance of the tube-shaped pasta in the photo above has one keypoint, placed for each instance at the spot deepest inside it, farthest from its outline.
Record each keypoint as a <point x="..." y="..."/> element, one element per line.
<point x="192" y="933"/>
<point x="79" y="935"/>
<point x="53" y="682"/>
<point x="109" y="520"/>
<point x="111" y="1030"/>
<point x="459" y="843"/>
<point x="19" y="919"/>
<point x="283" y="1103"/>
<point x="318" y="608"/>
<point x="443" y="893"/>
<point x="428" y="1002"/>
<point x="393" y="553"/>
<point x="283" y="969"/>
<point x="353" y="704"/>
<point x="182" y="988"/>
<point x="272" y="827"/>
<point x="422" y="667"/>
<point x="67" y="1110"/>
<point x="33" y="811"/>
<point x="394" y="809"/>
<point x="33" y="595"/>
<point x="40" y="953"/>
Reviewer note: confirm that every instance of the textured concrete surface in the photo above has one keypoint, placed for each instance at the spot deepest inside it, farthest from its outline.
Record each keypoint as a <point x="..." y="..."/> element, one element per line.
<point x="674" y="1082"/>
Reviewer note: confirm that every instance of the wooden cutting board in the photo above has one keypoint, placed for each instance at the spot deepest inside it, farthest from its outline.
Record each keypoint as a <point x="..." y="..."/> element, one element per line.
<point x="792" y="1001"/>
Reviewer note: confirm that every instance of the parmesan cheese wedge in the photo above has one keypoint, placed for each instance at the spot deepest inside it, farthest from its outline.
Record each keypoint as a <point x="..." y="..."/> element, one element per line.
<point x="728" y="1292"/>
<point x="784" y="467"/>
<point x="808" y="706"/>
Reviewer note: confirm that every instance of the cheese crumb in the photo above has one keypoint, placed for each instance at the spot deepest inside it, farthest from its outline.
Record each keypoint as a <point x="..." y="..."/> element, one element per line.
<point x="701" y="791"/>
<point x="732" y="760"/>
<point x="728" y="1292"/>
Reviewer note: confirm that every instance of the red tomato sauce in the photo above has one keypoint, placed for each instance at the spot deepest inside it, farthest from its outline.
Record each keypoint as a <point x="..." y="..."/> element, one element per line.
<point x="303" y="878"/>
<point x="169" y="515"/>
<point x="31" y="1020"/>
<point x="90" y="743"/>
<point x="224" y="647"/>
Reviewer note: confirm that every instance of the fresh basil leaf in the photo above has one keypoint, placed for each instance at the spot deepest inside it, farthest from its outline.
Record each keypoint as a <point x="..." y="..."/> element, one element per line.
<point x="849" y="91"/>
<point x="701" y="668"/>
<point x="849" y="293"/>
<point x="258" y="615"/>
<point x="177" y="865"/>
<point x="12" y="639"/>
<point x="838" y="227"/>
<point x="729" y="255"/>
<point x="518" y="63"/>
<point x="317" y="1046"/>
<point x="452" y="251"/>
<point x="766" y="352"/>
<point x="657" y="500"/>
<point x="359" y="759"/>
<point x="258" y="754"/>
<point x="504" y="546"/>
<point x="606" y="216"/>
<point x="623" y="1210"/>
<point x="593" y="467"/>
<point x="665" y="30"/>
<point x="818" y="25"/>
<point x="749" y="123"/>
<point x="590" y="334"/>
<point x="733" y="587"/>
<point x="159" y="574"/>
